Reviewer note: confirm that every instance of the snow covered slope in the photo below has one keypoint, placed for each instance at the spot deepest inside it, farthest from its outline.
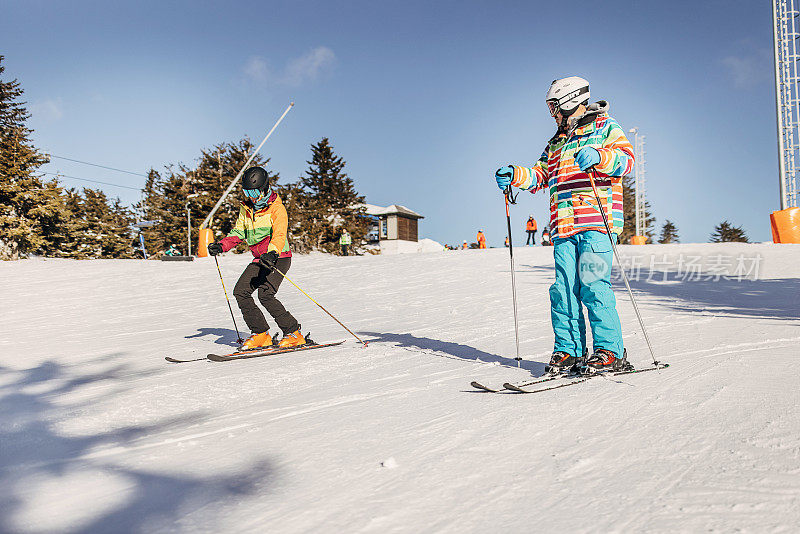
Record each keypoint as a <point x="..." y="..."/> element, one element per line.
<point x="99" y="434"/>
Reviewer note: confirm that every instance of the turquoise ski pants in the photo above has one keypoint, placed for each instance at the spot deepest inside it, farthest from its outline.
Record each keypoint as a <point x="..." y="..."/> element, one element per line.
<point x="583" y="278"/>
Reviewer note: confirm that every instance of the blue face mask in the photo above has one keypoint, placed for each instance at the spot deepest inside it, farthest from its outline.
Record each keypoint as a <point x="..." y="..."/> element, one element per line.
<point x="252" y="193"/>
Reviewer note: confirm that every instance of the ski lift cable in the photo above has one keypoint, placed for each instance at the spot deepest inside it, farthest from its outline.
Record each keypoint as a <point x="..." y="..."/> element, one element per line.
<point x="93" y="181"/>
<point x="98" y="165"/>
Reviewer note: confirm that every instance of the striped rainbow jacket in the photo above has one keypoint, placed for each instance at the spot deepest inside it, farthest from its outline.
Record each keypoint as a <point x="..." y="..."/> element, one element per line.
<point x="573" y="207"/>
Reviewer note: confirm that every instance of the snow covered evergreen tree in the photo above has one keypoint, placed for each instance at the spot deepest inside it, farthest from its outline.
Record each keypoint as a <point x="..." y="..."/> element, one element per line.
<point x="726" y="232"/>
<point x="166" y="196"/>
<point x="97" y="228"/>
<point x="669" y="233"/>
<point x="323" y="203"/>
<point x="32" y="211"/>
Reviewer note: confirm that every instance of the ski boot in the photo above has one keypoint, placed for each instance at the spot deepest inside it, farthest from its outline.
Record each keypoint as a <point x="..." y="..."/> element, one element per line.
<point x="295" y="339"/>
<point x="564" y="363"/>
<point x="257" y="341"/>
<point x="603" y="361"/>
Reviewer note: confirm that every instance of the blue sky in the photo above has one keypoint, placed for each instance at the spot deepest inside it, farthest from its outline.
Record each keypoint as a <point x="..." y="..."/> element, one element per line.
<point x="424" y="100"/>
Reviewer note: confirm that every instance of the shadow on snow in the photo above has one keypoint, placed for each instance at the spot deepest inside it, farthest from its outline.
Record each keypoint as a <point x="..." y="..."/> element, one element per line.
<point x="225" y="336"/>
<point x="35" y="450"/>
<point x="448" y="349"/>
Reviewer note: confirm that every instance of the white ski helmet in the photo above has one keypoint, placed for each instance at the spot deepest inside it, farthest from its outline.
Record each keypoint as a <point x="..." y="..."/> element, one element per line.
<point x="566" y="94"/>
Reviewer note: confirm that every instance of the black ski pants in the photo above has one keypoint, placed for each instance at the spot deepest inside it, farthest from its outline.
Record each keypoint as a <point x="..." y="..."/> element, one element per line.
<point x="255" y="278"/>
<point x="531" y="237"/>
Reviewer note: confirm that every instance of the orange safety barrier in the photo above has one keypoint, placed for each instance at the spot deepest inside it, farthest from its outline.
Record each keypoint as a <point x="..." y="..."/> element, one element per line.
<point x="206" y="237"/>
<point x="785" y="225"/>
<point x="639" y="240"/>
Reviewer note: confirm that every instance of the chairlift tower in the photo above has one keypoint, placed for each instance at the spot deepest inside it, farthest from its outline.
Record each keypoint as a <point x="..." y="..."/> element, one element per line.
<point x="787" y="96"/>
<point x="639" y="182"/>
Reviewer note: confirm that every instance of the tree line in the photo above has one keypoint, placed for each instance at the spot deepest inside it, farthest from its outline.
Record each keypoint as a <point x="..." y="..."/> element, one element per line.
<point x="40" y="217"/>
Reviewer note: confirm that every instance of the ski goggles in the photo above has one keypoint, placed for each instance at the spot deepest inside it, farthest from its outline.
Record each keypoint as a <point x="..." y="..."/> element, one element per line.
<point x="252" y="193"/>
<point x="552" y="105"/>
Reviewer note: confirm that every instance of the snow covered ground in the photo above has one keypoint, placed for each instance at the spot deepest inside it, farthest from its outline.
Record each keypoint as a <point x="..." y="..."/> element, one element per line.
<point x="99" y="434"/>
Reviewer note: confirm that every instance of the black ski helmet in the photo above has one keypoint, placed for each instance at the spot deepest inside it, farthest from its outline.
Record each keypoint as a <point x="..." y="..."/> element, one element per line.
<point x="255" y="178"/>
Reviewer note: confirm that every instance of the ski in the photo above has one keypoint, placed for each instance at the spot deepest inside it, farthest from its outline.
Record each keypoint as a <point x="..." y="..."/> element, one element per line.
<point x="478" y="385"/>
<point x="269" y="352"/>
<point x="176" y="360"/>
<point x="585" y="378"/>
<point x="519" y="389"/>
<point x="507" y="386"/>
<point x="236" y="353"/>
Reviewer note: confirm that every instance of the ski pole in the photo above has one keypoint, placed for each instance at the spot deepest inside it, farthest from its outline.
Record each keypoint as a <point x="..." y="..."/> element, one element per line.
<point x="621" y="267"/>
<point x="320" y="305"/>
<point x="241" y="172"/>
<point x="511" y="200"/>
<point x="238" y="336"/>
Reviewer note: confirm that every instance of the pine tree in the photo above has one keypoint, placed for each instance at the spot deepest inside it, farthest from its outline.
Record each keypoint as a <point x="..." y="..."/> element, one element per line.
<point x="98" y="228"/>
<point x="629" y="212"/>
<point x="669" y="233"/>
<point x="166" y="196"/>
<point x="327" y="202"/>
<point x="725" y="232"/>
<point x="31" y="211"/>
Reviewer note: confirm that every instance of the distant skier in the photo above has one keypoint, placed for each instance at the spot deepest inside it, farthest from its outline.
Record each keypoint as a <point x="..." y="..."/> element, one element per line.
<point x="344" y="242"/>
<point x="481" y="239"/>
<point x="172" y="251"/>
<point x="262" y="224"/>
<point x="530" y="227"/>
<point x="586" y="137"/>
<point x="546" y="238"/>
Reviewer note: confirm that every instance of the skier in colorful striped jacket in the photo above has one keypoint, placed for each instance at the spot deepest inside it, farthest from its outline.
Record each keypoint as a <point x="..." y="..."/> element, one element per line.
<point x="587" y="137"/>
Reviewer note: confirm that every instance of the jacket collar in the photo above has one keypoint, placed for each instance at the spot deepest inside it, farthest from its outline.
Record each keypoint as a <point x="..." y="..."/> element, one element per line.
<point x="249" y="206"/>
<point x="585" y="124"/>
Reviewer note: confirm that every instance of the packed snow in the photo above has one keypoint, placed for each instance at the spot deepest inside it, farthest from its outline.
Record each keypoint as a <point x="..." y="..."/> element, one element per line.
<point x="98" y="433"/>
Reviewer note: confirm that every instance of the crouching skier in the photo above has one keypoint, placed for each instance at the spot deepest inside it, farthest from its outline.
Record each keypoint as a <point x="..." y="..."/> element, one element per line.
<point x="586" y="137"/>
<point x="262" y="224"/>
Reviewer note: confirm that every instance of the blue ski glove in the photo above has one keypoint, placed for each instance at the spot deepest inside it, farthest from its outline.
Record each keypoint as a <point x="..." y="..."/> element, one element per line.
<point x="587" y="157"/>
<point x="504" y="175"/>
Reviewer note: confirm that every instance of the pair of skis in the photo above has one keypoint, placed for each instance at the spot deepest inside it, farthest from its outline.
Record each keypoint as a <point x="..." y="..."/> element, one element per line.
<point x="564" y="379"/>
<point x="256" y="353"/>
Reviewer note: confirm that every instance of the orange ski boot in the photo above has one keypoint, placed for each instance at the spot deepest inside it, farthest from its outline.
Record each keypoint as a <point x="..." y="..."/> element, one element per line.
<point x="295" y="339"/>
<point x="257" y="341"/>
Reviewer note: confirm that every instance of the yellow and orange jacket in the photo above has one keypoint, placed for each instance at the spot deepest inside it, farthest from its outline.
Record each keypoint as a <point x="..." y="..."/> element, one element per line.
<point x="480" y="237"/>
<point x="263" y="230"/>
<point x="531" y="226"/>
<point x="573" y="207"/>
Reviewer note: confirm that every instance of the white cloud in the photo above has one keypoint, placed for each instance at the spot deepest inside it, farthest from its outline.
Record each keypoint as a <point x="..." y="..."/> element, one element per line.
<point x="309" y="67"/>
<point x="299" y="71"/>
<point x="49" y="109"/>
<point x="749" y="69"/>
<point x="256" y="69"/>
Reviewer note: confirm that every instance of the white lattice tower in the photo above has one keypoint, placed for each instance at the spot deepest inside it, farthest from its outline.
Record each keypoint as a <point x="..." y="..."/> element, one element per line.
<point x="787" y="92"/>
<point x="639" y="209"/>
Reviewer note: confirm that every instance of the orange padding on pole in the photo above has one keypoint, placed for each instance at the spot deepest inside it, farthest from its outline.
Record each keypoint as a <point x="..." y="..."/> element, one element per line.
<point x="206" y="237"/>
<point x="639" y="240"/>
<point x="785" y="225"/>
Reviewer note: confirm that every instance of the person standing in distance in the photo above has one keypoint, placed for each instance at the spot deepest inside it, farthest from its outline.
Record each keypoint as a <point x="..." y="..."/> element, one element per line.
<point x="586" y="138"/>
<point x="531" y="228"/>
<point x="481" y="239"/>
<point x="344" y="242"/>
<point x="262" y="224"/>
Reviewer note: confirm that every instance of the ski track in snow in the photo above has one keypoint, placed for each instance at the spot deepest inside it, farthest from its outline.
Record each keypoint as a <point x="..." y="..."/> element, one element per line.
<point x="99" y="434"/>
